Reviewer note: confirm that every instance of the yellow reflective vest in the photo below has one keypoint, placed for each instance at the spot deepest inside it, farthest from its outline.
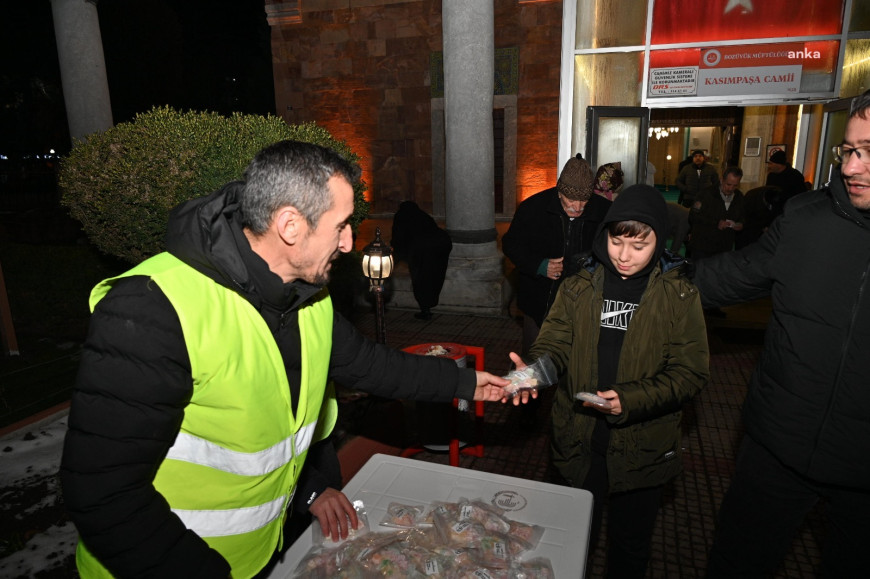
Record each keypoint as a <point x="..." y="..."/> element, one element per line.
<point x="232" y="471"/>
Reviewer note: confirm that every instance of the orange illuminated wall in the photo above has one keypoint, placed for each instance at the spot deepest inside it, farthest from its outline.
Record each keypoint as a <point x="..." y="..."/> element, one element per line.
<point x="363" y="74"/>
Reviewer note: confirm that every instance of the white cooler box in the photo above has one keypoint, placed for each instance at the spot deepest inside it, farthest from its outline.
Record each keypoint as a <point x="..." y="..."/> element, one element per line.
<point x="564" y="512"/>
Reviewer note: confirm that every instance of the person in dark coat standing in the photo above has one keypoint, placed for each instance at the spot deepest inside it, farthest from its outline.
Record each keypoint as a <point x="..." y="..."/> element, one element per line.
<point x="717" y="215"/>
<point x="696" y="177"/>
<point x="426" y="248"/>
<point x="758" y="204"/>
<point x="549" y="233"/>
<point x="788" y="180"/>
<point x="808" y="402"/>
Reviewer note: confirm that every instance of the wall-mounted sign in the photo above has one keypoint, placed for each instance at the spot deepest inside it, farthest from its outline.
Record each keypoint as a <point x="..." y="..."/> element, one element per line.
<point x="753" y="147"/>
<point x="673" y="81"/>
<point x="787" y="69"/>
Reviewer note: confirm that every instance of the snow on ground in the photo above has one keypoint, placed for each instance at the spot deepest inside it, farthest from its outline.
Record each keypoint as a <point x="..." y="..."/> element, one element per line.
<point x="35" y="535"/>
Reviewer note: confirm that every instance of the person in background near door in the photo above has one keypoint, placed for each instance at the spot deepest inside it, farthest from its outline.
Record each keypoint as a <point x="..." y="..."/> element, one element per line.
<point x="548" y="234"/>
<point x="696" y="177"/>
<point x="678" y="225"/>
<point x="758" y="206"/>
<point x="650" y="174"/>
<point x="786" y="178"/>
<point x="417" y="240"/>
<point x="807" y="436"/>
<point x="683" y="163"/>
<point x="608" y="180"/>
<point x="628" y="328"/>
<point x="717" y="215"/>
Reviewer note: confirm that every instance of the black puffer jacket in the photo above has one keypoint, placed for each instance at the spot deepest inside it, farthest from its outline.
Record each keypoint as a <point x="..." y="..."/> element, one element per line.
<point x="134" y="383"/>
<point x="541" y="230"/>
<point x="809" y="399"/>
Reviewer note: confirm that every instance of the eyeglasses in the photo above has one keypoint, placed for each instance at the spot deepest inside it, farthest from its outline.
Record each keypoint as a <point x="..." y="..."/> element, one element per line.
<point x="843" y="154"/>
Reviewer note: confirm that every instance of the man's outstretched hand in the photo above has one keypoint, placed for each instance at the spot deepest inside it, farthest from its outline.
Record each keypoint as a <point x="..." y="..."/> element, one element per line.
<point x="490" y="388"/>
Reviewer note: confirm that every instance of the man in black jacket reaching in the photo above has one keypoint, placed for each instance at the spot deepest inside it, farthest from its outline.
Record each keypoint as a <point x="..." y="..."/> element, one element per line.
<point x="807" y="406"/>
<point x="203" y="383"/>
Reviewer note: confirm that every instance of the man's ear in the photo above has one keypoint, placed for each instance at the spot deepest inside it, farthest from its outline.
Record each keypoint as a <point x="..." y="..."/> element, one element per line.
<point x="289" y="224"/>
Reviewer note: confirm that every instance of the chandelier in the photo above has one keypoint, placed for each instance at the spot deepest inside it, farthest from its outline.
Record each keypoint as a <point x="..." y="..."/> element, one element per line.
<point x="661" y="132"/>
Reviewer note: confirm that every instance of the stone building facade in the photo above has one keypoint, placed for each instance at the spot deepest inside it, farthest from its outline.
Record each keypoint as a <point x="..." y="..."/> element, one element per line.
<point x="368" y="71"/>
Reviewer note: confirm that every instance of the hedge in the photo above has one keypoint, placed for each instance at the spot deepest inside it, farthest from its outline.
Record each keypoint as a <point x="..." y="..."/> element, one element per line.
<point x="122" y="183"/>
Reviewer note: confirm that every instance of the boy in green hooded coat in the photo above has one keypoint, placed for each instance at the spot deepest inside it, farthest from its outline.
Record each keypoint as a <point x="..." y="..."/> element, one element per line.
<point x="629" y="328"/>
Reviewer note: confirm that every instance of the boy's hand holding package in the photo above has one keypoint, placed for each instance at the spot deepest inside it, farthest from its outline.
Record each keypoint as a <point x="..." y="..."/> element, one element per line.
<point x="606" y="402"/>
<point x="526" y="379"/>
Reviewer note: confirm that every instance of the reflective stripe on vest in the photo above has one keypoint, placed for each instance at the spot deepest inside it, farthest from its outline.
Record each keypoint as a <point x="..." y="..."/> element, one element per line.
<point x="239" y="440"/>
<point x="200" y="451"/>
<point x="231" y="521"/>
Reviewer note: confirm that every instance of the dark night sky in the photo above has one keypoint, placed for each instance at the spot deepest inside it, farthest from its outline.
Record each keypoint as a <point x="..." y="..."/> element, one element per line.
<point x="190" y="54"/>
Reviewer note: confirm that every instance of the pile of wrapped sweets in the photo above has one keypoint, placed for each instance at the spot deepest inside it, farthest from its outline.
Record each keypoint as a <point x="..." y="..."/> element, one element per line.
<point x="457" y="540"/>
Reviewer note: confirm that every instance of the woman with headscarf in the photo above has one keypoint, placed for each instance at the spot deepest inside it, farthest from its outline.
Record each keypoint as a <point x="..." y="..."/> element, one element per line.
<point x="608" y="180"/>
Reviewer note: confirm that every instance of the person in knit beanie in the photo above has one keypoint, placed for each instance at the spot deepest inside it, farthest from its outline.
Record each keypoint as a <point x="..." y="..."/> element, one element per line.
<point x="575" y="180"/>
<point x="549" y="232"/>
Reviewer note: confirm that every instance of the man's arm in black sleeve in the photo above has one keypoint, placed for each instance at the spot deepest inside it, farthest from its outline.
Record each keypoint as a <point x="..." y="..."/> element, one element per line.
<point x="737" y="276"/>
<point x="133" y="384"/>
<point x="362" y="364"/>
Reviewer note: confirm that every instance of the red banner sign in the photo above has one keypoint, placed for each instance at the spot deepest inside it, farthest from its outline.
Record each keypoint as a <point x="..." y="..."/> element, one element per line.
<point x="678" y="21"/>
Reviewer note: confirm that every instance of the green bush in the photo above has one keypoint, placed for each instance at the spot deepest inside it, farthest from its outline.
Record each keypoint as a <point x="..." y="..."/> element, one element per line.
<point x="122" y="183"/>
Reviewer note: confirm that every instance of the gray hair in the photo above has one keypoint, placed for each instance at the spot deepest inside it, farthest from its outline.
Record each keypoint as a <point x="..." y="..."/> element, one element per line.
<point x="859" y="105"/>
<point x="291" y="173"/>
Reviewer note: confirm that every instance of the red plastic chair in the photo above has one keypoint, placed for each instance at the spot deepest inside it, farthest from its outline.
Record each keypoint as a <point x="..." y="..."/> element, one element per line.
<point x="454" y="451"/>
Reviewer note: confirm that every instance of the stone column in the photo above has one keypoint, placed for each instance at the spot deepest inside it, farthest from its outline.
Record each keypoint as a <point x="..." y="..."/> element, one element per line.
<point x="475" y="281"/>
<point x="82" y="67"/>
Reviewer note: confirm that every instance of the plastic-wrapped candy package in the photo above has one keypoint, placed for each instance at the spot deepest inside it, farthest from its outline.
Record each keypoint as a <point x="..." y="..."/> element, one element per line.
<point x="339" y="562"/>
<point x="471" y="510"/>
<point x="593" y="399"/>
<point x="537" y="568"/>
<point x="487" y="515"/>
<point x="318" y="539"/>
<point x="442" y="509"/>
<point x="539" y="374"/>
<point x="476" y="571"/>
<point x="529" y="534"/>
<point x="390" y="559"/>
<point x="494" y="551"/>
<point x="490" y="545"/>
<point x="458" y="556"/>
<point x="403" y="516"/>
<point x="406" y="553"/>
<point x="467" y="534"/>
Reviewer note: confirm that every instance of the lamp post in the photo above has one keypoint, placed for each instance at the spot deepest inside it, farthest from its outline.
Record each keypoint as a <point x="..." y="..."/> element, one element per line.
<point x="377" y="265"/>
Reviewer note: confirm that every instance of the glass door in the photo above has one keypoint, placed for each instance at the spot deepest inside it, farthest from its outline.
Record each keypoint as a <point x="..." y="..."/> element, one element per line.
<point x="618" y="134"/>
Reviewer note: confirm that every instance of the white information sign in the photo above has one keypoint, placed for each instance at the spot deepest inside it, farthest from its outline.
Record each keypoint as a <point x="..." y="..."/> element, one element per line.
<point x="749" y="80"/>
<point x="673" y="81"/>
